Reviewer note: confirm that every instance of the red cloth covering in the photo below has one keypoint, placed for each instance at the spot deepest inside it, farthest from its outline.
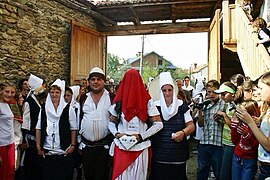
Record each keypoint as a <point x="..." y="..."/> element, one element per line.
<point x="7" y="169"/>
<point x="122" y="160"/>
<point x="133" y="95"/>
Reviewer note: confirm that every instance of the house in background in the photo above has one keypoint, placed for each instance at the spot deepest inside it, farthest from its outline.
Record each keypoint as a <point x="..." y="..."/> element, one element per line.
<point x="152" y="59"/>
<point x="198" y="71"/>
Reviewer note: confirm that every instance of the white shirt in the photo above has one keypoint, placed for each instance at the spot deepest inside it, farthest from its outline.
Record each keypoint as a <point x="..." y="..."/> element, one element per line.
<point x="52" y="140"/>
<point x="26" y="114"/>
<point x="6" y="125"/>
<point x="94" y="125"/>
<point x="263" y="155"/>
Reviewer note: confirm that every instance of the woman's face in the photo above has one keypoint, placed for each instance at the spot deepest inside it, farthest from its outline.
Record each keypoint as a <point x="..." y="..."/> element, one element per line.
<point x="256" y="94"/>
<point x="248" y="95"/>
<point x="265" y="91"/>
<point x="68" y="97"/>
<point x="167" y="91"/>
<point x="20" y="100"/>
<point x="55" y="95"/>
<point x="7" y="94"/>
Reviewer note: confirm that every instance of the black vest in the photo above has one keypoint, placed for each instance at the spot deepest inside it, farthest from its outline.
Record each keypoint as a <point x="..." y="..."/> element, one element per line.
<point x="64" y="128"/>
<point x="34" y="112"/>
<point x="164" y="148"/>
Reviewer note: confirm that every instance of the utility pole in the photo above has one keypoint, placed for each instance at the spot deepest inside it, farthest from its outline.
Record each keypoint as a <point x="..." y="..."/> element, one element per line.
<point x="141" y="59"/>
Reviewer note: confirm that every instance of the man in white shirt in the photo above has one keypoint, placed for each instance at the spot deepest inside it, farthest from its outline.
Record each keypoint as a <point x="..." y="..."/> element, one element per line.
<point x="95" y="135"/>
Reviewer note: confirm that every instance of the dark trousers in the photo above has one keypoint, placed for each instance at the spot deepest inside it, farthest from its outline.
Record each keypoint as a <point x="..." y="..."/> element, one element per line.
<point x="32" y="164"/>
<point x="56" y="167"/>
<point x="162" y="171"/>
<point x="96" y="163"/>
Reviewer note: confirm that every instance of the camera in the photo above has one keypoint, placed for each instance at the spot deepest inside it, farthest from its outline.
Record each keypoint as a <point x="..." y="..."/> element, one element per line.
<point x="232" y="106"/>
<point x="199" y="102"/>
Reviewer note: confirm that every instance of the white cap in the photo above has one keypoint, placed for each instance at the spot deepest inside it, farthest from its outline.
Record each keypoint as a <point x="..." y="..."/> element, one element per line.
<point x="96" y="71"/>
<point x="34" y="82"/>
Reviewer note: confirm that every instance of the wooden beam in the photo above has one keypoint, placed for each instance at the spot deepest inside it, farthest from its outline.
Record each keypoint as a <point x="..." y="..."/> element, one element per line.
<point x="173" y="13"/>
<point x="100" y="7"/>
<point x="75" y="5"/>
<point x="165" y="28"/>
<point x="135" y="16"/>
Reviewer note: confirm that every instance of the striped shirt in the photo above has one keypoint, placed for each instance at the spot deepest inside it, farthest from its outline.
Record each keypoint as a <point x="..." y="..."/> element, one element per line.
<point x="212" y="130"/>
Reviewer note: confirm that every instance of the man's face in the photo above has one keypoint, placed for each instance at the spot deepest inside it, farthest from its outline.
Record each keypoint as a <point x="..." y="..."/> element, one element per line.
<point x="96" y="84"/>
<point x="211" y="94"/>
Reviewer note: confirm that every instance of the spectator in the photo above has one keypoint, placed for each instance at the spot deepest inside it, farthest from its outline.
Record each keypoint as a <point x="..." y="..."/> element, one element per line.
<point x="244" y="164"/>
<point x="262" y="133"/>
<point x="210" y="147"/>
<point x="260" y="27"/>
<point x="187" y="86"/>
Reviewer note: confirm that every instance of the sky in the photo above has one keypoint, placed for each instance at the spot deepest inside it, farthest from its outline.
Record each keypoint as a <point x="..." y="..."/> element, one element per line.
<point x="183" y="50"/>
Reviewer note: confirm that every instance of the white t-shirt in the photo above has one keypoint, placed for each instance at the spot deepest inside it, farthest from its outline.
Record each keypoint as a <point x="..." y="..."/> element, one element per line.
<point x="6" y="125"/>
<point x="263" y="155"/>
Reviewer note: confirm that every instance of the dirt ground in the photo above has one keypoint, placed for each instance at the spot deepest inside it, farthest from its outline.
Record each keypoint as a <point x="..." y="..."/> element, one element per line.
<point x="192" y="162"/>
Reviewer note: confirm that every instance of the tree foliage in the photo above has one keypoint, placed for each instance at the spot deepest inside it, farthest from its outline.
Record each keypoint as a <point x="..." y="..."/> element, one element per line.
<point x="116" y="67"/>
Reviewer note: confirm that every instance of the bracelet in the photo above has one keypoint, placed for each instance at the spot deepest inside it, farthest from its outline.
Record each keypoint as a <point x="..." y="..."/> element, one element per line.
<point x="184" y="132"/>
<point x="73" y="145"/>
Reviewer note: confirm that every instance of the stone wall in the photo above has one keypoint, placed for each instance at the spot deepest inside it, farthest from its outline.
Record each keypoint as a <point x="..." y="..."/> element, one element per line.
<point x="35" y="38"/>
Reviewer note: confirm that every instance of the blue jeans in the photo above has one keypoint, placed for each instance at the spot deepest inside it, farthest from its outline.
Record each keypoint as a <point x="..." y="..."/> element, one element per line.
<point x="226" y="166"/>
<point x="264" y="172"/>
<point x="209" y="155"/>
<point x="243" y="168"/>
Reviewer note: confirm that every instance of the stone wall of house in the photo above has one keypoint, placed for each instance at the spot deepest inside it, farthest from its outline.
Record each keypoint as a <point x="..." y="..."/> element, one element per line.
<point x="35" y="38"/>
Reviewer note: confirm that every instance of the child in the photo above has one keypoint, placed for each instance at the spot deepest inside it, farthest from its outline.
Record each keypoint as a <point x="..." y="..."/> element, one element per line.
<point x="244" y="163"/>
<point x="262" y="133"/>
<point x="260" y="26"/>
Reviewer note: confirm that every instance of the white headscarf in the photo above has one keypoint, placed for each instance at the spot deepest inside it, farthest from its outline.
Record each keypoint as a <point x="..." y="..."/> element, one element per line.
<point x="35" y="84"/>
<point x="53" y="115"/>
<point x="76" y="92"/>
<point x="168" y="112"/>
<point x="199" y="86"/>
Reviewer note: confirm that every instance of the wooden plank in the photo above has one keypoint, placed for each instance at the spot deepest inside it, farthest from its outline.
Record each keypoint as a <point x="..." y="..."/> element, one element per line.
<point x="87" y="11"/>
<point x="166" y="28"/>
<point x="87" y="51"/>
<point x="135" y="16"/>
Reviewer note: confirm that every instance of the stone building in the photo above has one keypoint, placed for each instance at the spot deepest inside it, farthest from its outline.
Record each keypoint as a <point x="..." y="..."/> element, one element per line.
<point x="35" y="38"/>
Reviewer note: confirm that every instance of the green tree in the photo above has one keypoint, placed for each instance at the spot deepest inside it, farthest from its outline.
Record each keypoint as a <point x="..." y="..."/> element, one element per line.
<point x="116" y="67"/>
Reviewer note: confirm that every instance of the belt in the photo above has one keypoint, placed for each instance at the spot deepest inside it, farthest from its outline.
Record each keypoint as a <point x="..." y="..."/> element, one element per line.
<point x="264" y="163"/>
<point x="105" y="141"/>
<point x="30" y="137"/>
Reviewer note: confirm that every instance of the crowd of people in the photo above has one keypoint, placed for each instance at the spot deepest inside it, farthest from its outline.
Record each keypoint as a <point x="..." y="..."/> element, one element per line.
<point x="47" y="132"/>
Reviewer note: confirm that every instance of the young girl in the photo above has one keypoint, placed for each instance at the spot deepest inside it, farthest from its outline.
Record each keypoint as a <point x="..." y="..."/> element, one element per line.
<point x="7" y="149"/>
<point x="262" y="134"/>
<point x="244" y="163"/>
<point x="260" y="26"/>
<point x="228" y="93"/>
